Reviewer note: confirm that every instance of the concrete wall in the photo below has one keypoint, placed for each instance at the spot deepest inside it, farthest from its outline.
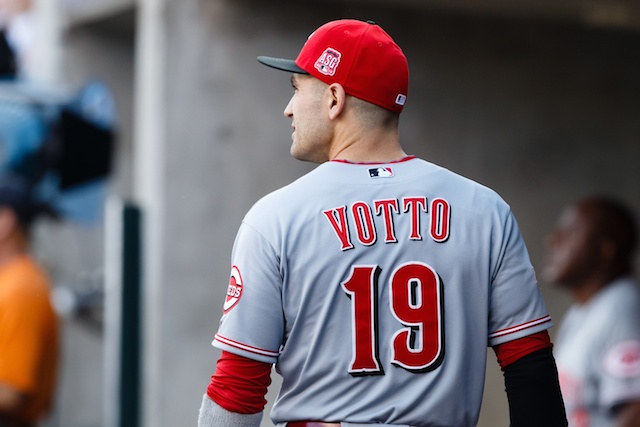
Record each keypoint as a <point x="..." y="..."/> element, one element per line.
<point x="542" y="113"/>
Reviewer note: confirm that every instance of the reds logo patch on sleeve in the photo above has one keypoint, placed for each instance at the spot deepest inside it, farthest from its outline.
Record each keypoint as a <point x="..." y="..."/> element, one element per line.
<point x="623" y="360"/>
<point x="234" y="291"/>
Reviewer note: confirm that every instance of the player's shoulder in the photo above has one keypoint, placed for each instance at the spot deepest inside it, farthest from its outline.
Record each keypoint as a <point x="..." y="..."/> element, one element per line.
<point x="620" y="294"/>
<point x="479" y="196"/>
<point x="310" y="186"/>
<point x="281" y="198"/>
<point x="616" y="307"/>
<point x="341" y="178"/>
<point x="281" y="203"/>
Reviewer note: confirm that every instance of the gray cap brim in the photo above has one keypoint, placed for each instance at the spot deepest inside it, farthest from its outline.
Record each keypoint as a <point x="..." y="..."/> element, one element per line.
<point x="281" y="64"/>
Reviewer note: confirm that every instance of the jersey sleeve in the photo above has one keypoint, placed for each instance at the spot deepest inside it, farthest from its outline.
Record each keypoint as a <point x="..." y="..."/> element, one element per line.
<point x="517" y="307"/>
<point x="620" y="360"/>
<point x="252" y="324"/>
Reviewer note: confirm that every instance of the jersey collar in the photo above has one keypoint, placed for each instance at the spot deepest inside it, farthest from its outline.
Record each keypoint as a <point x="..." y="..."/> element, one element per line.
<point x="404" y="159"/>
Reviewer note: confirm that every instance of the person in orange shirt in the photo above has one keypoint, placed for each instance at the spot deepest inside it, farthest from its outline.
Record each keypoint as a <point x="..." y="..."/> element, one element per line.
<point x="28" y="323"/>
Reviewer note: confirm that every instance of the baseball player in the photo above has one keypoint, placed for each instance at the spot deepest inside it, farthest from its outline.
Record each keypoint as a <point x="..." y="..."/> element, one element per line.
<point x="375" y="282"/>
<point x="598" y="346"/>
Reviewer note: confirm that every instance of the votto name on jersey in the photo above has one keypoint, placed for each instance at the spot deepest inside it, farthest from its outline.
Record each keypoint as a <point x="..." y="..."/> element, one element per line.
<point x="437" y="213"/>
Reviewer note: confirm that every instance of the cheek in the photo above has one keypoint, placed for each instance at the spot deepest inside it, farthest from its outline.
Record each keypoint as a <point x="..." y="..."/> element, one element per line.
<point x="562" y="259"/>
<point x="308" y="113"/>
<point x="564" y="251"/>
<point x="571" y="260"/>
<point x="559" y="255"/>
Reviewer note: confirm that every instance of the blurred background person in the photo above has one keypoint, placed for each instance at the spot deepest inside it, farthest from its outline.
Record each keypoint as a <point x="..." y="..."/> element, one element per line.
<point x="17" y="33"/>
<point x="28" y="323"/>
<point x="591" y="253"/>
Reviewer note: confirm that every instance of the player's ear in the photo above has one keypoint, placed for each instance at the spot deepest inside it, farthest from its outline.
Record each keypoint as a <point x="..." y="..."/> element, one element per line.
<point x="337" y="100"/>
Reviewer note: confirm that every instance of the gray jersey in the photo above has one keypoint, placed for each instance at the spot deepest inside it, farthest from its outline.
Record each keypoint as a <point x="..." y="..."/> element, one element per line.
<point x="598" y="354"/>
<point x="376" y="289"/>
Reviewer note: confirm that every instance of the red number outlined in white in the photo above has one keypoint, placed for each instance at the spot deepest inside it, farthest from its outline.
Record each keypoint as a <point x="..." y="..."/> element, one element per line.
<point x="362" y="289"/>
<point x="416" y="301"/>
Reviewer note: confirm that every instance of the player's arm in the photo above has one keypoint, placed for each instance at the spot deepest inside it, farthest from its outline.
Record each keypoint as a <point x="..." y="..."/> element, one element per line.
<point x="531" y="382"/>
<point x="236" y="394"/>
<point x="213" y="415"/>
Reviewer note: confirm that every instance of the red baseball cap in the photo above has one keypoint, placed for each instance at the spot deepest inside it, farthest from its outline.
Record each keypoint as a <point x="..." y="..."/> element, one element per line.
<point x="359" y="55"/>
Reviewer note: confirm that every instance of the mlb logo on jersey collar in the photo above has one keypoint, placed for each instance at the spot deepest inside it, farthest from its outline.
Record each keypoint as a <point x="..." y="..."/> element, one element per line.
<point x="380" y="172"/>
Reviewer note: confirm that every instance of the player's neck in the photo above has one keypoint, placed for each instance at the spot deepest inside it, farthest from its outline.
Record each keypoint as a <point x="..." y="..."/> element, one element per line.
<point x="589" y="288"/>
<point x="368" y="147"/>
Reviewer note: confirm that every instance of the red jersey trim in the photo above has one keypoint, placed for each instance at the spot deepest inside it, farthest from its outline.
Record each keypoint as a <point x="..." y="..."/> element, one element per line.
<point x="518" y="328"/>
<point x="404" y="159"/>
<point x="245" y="347"/>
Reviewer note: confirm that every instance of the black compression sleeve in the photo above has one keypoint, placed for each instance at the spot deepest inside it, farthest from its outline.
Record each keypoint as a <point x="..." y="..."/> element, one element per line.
<point x="533" y="391"/>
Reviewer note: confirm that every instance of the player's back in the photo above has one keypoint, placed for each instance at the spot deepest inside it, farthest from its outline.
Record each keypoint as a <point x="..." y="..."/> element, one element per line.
<point x="394" y="278"/>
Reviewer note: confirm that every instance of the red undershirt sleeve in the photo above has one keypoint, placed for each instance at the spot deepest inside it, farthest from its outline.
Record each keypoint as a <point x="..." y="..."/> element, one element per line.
<point x="240" y="384"/>
<point x="509" y="352"/>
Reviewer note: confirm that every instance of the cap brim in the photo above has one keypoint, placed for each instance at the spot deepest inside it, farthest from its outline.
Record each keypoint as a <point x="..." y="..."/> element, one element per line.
<point x="281" y="64"/>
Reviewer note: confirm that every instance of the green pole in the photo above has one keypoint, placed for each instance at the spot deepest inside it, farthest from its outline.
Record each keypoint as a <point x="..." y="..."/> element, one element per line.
<point x="130" y="346"/>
